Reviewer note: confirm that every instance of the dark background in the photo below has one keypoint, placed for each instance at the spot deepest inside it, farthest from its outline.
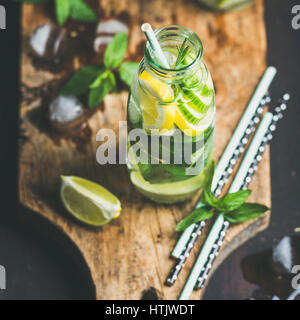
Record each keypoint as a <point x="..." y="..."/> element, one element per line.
<point x="38" y="268"/>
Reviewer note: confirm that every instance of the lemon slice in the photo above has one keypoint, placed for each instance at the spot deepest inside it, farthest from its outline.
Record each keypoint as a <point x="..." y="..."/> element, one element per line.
<point x="88" y="201"/>
<point x="162" y="117"/>
<point x="155" y="95"/>
<point x="158" y="88"/>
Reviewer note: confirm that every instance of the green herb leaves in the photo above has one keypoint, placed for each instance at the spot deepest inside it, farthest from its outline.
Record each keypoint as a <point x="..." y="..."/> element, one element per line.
<point x="245" y="212"/>
<point x="232" y="201"/>
<point x="182" y="53"/>
<point x="127" y="71"/>
<point x="79" y="10"/>
<point x="76" y="9"/>
<point x="115" y="51"/>
<point x="103" y="85"/>
<point x="232" y="206"/>
<point x="80" y="82"/>
<point x="196" y="216"/>
<point x="101" y="80"/>
<point x="62" y="10"/>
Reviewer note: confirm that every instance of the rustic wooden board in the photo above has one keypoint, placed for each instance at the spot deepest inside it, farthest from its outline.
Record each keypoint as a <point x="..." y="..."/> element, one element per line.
<point x="131" y="254"/>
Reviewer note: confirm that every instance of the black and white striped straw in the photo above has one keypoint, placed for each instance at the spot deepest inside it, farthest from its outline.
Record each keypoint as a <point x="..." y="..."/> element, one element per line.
<point x="235" y="140"/>
<point x="240" y="148"/>
<point x="278" y="114"/>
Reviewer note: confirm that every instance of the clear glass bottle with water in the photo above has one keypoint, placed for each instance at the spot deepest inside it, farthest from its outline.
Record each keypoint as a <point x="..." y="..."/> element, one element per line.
<point x="227" y="5"/>
<point x="172" y="110"/>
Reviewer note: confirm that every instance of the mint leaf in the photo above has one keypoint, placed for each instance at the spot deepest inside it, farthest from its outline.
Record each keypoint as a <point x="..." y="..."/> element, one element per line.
<point x="33" y="1"/>
<point x="196" y="216"/>
<point x="127" y="71"/>
<point x="115" y="51"/>
<point x="98" y="94"/>
<point x="80" y="82"/>
<point x="62" y="10"/>
<point x="245" y="212"/>
<point x="97" y="83"/>
<point x="232" y="201"/>
<point x="81" y="11"/>
<point x="113" y="82"/>
<point x="208" y="198"/>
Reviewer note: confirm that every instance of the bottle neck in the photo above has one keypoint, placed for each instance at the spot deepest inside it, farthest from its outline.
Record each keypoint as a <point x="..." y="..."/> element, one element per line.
<point x="171" y="39"/>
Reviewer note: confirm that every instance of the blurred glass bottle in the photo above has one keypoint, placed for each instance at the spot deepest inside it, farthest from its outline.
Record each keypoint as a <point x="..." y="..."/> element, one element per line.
<point x="227" y="5"/>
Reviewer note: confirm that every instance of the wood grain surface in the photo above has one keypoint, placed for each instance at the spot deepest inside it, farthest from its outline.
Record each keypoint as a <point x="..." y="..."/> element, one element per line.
<point x="131" y="254"/>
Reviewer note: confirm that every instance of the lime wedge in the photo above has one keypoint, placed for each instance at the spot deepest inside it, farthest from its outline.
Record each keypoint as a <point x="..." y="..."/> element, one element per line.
<point x="88" y="201"/>
<point x="168" y="192"/>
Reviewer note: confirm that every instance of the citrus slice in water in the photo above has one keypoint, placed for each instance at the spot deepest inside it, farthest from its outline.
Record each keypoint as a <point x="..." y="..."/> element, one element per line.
<point x="159" y="117"/>
<point x="88" y="201"/>
<point x="168" y="192"/>
<point x="158" y="88"/>
<point x="157" y="113"/>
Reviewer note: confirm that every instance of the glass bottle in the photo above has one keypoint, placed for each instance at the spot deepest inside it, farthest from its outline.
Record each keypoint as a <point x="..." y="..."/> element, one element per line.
<point x="227" y="5"/>
<point x="172" y="112"/>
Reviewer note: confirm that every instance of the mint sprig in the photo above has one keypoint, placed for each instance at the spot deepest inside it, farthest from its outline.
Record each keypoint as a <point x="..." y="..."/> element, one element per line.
<point x="100" y="80"/>
<point x="182" y="53"/>
<point x="232" y="206"/>
<point x="75" y="9"/>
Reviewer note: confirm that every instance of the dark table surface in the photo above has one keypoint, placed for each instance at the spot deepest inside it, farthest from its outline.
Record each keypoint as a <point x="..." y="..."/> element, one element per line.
<point x="38" y="268"/>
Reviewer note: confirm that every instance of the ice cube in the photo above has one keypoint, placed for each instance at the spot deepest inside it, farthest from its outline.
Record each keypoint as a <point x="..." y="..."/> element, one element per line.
<point x="40" y="38"/>
<point x="49" y="43"/>
<point x="284" y="255"/>
<point x="105" y="32"/>
<point x="65" y="109"/>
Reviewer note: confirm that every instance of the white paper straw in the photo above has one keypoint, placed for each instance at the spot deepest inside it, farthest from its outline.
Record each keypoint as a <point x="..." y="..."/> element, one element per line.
<point x="260" y="91"/>
<point x="191" y="282"/>
<point x="147" y="29"/>
<point x="251" y="152"/>
<point x="235" y="186"/>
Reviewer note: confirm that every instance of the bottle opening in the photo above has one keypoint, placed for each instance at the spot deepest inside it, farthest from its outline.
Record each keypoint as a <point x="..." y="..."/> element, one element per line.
<point x="181" y="47"/>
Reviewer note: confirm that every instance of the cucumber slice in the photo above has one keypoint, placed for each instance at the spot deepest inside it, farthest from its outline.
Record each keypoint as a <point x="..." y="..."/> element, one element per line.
<point x="199" y="101"/>
<point x="188" y="116"/>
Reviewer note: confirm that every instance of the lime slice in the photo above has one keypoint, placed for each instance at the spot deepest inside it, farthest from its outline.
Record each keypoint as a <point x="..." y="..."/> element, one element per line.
<point x="88" y="201"/>
<point x="167" y="192"/>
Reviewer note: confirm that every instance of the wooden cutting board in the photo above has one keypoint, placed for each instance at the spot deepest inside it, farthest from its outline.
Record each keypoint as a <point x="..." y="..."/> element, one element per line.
<point x="131" y="254"/>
